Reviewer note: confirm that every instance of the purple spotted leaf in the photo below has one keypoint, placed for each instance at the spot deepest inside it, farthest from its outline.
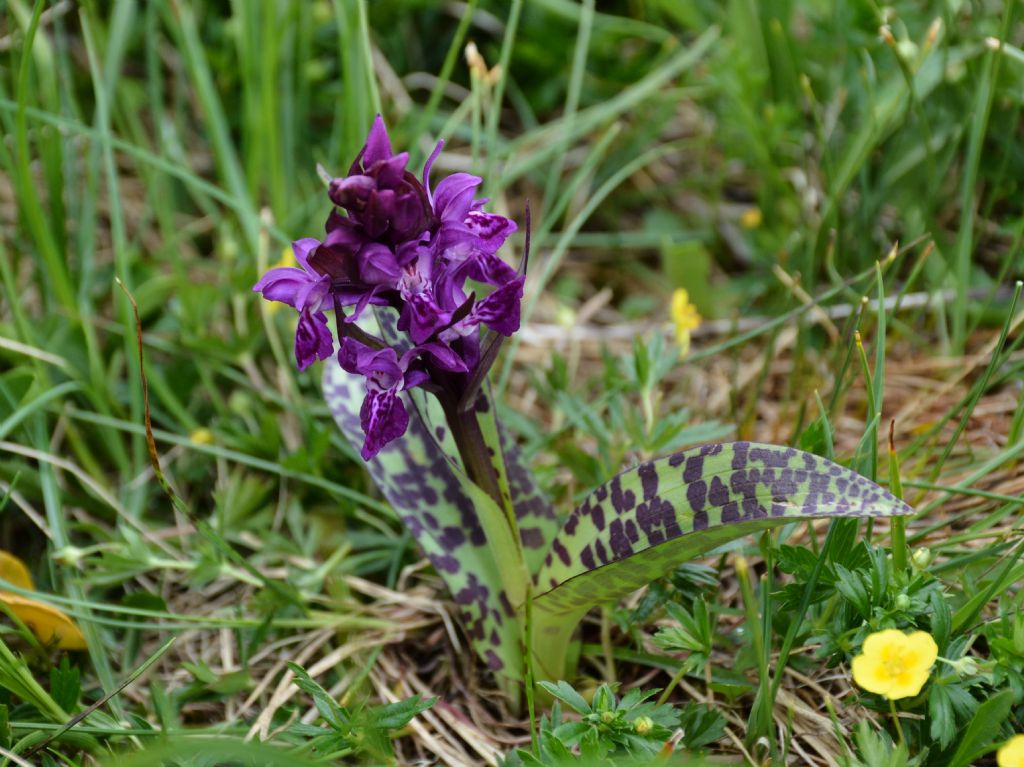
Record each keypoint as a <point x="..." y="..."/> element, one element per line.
<point x="648" y="520"/>
<point x="534" y="513"/>
<point x="460" y="529"/>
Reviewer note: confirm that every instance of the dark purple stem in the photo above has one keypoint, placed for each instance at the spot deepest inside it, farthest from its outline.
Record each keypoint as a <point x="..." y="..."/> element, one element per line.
<point x="469" y="440"/>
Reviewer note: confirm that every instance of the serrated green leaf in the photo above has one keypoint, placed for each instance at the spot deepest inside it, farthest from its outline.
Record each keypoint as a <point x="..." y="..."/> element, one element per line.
<point x="940" y="713"/>
<point x="942" y="619"/>
<point x="565" y="692"/>
<point x="394" y="716"/>
<point x="65" y="684"/>
<point x="332" y="713"/>
<point x="649" y="519"/>
<point x="854" y="590"/>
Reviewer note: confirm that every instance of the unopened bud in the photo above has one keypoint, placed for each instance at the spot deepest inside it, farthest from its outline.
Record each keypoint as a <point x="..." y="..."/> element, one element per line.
<point x="933" y="32"/>
<point x="921" y="558"/>
<point x="902" y="602"/>
<point x="201" y="436"/>
<point x="742" y="567"/>
<point x="886" y="34"/>
<point x="907" y="49"/>
<point x="607" y="717"/>
<point x="69" y="556"/>
<point x="476" y="62"/>
<point x="965" y="666"/>
<point x="643" y="725"/>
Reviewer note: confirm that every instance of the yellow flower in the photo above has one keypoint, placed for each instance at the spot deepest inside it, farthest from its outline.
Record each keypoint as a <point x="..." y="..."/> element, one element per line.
<point x="751" y="218"/>
<point x="895" y="664"/>
<point x="685" y="317"/>
<point x="201" y="436"/>
<point x="1012" y="752"/>
<point x="48" y="623"/>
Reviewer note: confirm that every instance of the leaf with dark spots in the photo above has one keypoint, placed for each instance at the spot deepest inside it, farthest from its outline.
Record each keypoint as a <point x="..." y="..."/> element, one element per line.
<point x="742" y="488"/>
<point x="458" y="527"/>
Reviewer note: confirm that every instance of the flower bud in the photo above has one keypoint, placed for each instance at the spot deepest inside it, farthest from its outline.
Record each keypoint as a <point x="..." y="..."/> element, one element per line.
<point x="965" y="666"/>
<point x="607" y="717"/>
<point x="902" y="602"/>
<point x="69" y="556"/>
<point x="642" y="725"/>
<point x="921" y="558"/>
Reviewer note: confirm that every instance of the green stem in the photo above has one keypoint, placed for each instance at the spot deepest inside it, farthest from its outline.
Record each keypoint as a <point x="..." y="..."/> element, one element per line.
<point x="898" y="529"/>
<point x="899" y="725"/>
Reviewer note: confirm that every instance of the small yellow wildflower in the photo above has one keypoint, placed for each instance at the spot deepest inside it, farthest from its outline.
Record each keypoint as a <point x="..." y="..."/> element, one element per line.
<point x="201" y="436"/>
<point x="1012" y="752"/>
<point x="895" y="664"/>
<point x="48" y="623"/>
<point x="685" y="317"/>
<point x="751" y="218"/>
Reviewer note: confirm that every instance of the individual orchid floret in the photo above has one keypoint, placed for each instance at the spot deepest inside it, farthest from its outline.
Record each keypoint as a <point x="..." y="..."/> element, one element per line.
<point x="383" y="416"/>
<point x="304" y="290"/>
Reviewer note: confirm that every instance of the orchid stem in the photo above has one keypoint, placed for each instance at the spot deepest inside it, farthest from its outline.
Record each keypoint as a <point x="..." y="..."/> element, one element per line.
<point x="469" y="440"/>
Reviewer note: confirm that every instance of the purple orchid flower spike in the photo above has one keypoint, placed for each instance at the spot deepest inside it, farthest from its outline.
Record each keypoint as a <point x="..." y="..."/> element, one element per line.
<point x="305" y="290"/>
<point x="394" y="242"/>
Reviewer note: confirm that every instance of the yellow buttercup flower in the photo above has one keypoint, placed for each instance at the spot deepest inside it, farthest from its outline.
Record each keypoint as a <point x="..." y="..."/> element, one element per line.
<point x="751" y="218"/>
<point x="685" y="318"/>
<point x="895" y="664"/>
<point x="50" y="625"/>
<point x="201" y="436"/>
<point x="1012" y="752"/>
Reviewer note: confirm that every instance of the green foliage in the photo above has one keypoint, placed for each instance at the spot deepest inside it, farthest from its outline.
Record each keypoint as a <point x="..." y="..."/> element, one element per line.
<point x="367" y="731"/>
<point x="614" y="731"/>
<point x="174" y="145"/>
<point x="692" y="633"/>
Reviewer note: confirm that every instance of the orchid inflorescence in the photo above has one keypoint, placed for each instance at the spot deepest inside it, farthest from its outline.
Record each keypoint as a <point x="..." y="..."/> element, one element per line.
<point x="521" y="574"/>
<point x="401" y="244"/>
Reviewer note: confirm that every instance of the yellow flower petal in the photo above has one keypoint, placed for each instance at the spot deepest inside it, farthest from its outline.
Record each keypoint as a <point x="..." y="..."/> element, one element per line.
<point x="48" y="623"/>
<point x="1012" y="752"/>
<point x="870" y="673"/>
<point x="751" y="218"/>
<point x="882" y="642"/>
<point x="685" y="317"/>
<point x="921" y="650"/>
<point x="201" y="436"/>
<point x="14" y="571"/>
<point x="907" y="684"/>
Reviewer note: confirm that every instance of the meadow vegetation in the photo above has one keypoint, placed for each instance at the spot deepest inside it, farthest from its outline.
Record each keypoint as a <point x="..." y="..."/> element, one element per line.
<point x="835" y="186"/>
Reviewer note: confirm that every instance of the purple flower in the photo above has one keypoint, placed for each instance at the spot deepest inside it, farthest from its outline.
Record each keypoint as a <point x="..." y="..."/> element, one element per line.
<point x="393" y="241"/>
<point x="380" y="195"/>
<point x="383" y="415"/>
<point x="304" y="290"/>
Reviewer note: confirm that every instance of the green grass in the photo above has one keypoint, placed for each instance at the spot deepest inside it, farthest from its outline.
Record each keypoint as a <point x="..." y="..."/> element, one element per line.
<point x="174" y="146"/>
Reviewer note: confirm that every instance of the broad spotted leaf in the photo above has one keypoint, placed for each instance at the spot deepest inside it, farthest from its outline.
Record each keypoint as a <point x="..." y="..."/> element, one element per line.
<point x="534" y="513"/>
<point x="650" y="519"/>
<point x="458" y="527"/>
<point x="535" y="516"/>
